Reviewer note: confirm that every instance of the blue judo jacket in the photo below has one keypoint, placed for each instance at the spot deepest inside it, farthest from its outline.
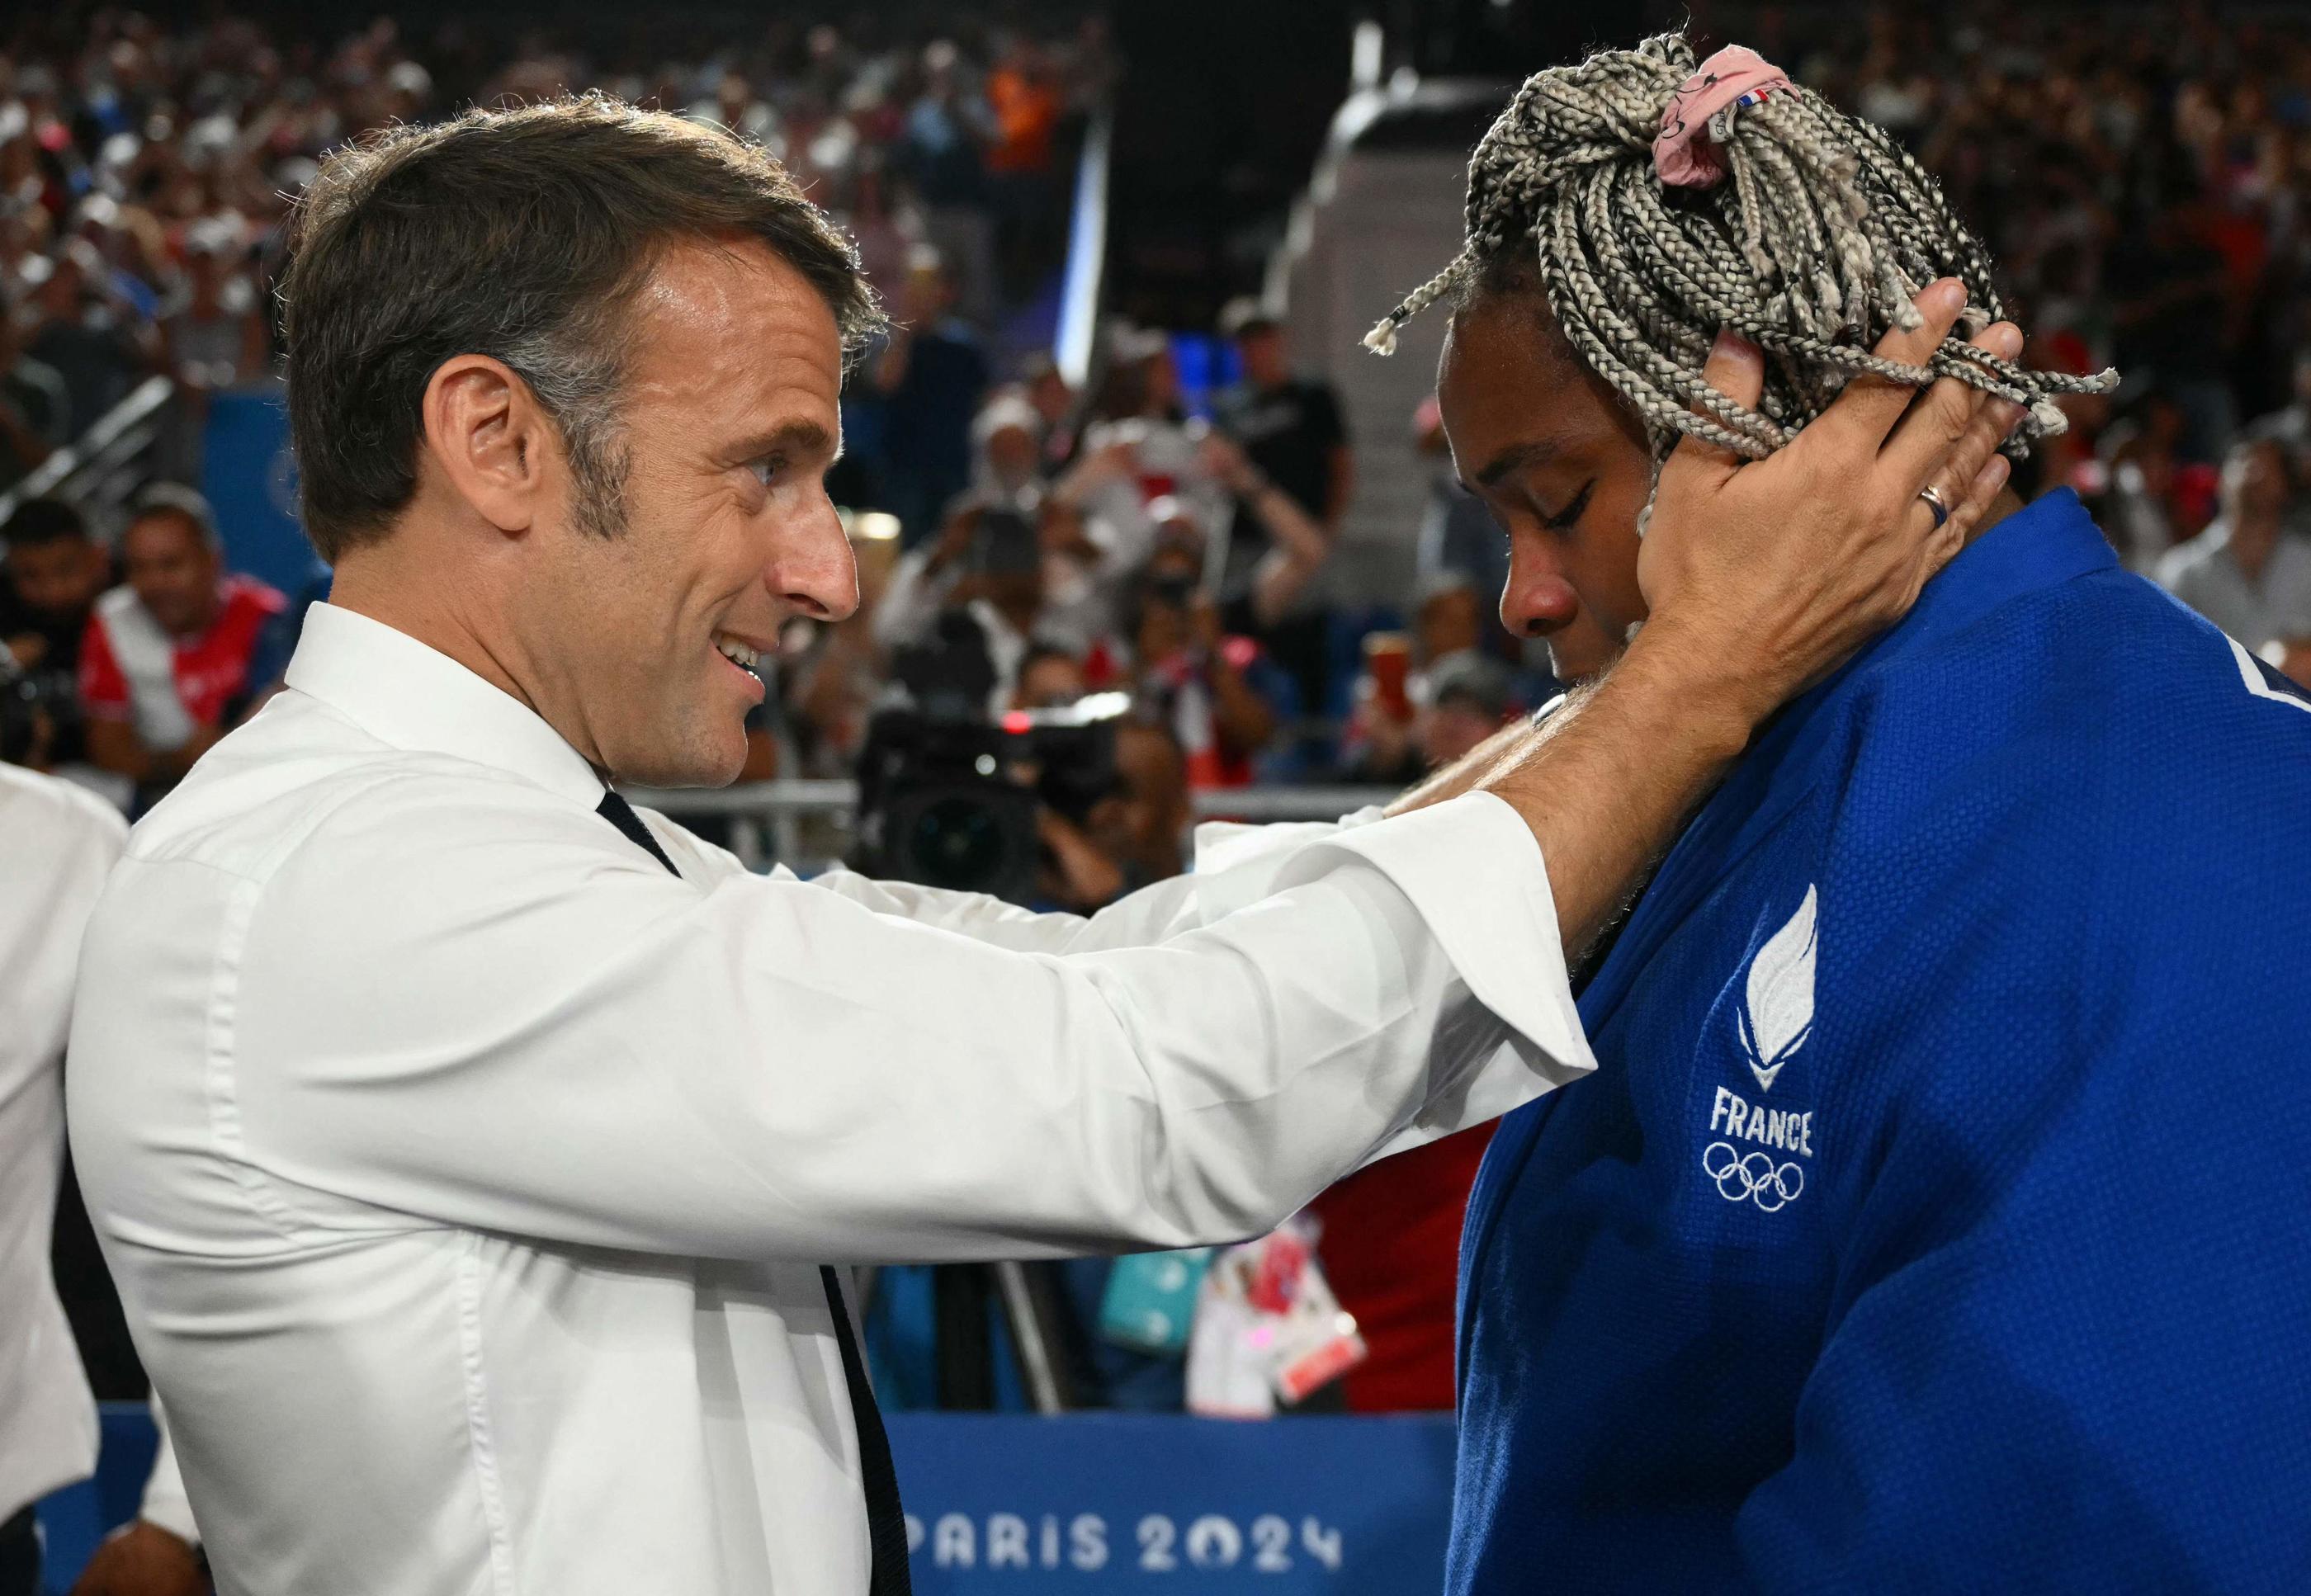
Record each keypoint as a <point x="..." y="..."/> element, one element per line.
<point x="1938" y="1218"/>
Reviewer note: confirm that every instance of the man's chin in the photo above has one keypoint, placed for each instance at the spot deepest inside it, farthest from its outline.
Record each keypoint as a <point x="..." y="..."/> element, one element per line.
<point x="703" y="766"/>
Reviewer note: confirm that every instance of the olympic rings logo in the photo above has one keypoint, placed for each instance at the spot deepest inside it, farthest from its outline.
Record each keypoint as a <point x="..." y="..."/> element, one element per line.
<point x="1756" y="1177"/>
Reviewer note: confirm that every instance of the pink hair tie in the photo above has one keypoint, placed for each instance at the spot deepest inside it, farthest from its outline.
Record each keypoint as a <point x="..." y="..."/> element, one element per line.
<point x="1684" y="153"/>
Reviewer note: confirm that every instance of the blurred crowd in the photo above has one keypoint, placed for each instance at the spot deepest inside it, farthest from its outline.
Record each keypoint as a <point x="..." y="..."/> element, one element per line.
<point x="2142" y="176"/>
<point x="145" y="173"/>
<point x="2143" y="188"/>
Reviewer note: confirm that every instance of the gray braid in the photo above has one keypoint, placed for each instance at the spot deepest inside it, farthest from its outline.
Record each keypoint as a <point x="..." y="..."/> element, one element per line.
<point x="1812" y="249"/>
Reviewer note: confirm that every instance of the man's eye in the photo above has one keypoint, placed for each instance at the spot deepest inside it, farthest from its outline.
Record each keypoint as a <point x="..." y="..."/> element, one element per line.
<point x="767" y="468"/>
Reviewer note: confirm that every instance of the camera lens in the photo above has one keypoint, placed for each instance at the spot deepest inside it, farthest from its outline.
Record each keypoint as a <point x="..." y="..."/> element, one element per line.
<point x="959" y="843"/>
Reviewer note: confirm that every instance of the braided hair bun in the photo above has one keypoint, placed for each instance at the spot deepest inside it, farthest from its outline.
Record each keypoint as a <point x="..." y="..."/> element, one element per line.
<point x="1821" y="232"/>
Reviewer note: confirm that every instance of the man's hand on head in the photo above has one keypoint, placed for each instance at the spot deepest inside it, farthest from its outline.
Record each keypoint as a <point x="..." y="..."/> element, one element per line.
<point x="1759" y="577"/>
<point x="1763" y="575"/>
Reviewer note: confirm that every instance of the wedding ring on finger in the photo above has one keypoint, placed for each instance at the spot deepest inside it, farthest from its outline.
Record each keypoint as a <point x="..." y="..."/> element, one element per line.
<point x="1935" y="502"/>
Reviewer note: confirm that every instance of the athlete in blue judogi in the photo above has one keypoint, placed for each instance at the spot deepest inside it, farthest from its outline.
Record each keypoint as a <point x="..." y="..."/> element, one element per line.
<point x="1940" y="1216"/>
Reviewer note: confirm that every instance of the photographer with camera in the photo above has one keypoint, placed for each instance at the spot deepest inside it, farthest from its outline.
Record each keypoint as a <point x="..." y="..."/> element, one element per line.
<point x="1192" y="665"/>
<point x="987" y="567"/>
<point x="50" y="578"/>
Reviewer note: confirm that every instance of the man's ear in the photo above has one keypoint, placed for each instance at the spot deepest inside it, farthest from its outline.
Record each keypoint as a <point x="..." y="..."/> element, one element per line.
<point x="489" y="440"/>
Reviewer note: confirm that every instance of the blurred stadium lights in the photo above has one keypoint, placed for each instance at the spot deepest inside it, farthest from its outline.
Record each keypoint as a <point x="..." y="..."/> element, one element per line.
<point x="1086" y="255"/>
<point x="1364" y="55"/>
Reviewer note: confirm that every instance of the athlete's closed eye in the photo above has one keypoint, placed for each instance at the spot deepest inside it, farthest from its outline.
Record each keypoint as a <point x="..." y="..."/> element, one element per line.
<point x="1565" y="519"/>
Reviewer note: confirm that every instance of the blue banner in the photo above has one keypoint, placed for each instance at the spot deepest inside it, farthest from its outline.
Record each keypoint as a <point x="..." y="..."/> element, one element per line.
<point x="1096" y="1502"/>
<point x="250" y="479"/>
<point x="1088" y="1503"/>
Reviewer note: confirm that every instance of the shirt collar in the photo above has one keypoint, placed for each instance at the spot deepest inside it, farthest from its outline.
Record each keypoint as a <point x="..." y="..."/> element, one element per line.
<point x="417" y="697"/>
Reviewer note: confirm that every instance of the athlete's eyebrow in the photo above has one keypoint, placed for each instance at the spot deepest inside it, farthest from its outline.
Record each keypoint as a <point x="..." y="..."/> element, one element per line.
<point x="1515" y="458"/>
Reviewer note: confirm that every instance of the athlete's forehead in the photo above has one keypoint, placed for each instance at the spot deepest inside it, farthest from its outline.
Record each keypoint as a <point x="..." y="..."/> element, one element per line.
<point x="1514" y="398"/>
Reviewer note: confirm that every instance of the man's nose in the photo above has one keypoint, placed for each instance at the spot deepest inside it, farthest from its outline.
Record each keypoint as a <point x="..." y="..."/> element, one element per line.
<point x="1537" y="599"/>
<point x="815" y="572"/>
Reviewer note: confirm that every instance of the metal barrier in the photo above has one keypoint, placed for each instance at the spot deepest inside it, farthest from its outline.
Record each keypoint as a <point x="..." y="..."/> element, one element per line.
<point x="99" y="469"/>
<point x="766" y="799"/>
<point x="805" y="824"/>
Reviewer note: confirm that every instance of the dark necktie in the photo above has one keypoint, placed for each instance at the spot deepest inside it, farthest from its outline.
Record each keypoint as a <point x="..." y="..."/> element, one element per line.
<point x="887" y="1526"/>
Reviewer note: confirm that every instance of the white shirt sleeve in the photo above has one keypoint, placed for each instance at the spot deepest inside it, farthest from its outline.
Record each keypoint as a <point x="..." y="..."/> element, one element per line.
<point x="526" y="1030"/>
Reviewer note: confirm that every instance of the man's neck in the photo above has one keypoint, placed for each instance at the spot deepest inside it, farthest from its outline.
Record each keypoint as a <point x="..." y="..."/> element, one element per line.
<point x="369" y="582"/>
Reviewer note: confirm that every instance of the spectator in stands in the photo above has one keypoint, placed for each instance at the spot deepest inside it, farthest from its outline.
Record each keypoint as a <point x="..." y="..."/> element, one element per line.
<point x="1468" y="700"/>
<point x="1220" y="696"/>
<point x="1048" y="678"/>
<point x="1006" y="450"/>
<point x="87" y="333"/>
<point x="1131" y="837"/>
<point x="1457" y="533"/>
<point x="1391" y="1248"/>
<point x="2250" y="571"/>
<point x="1048" y="390"/>
<point x="2292" y="425"/>
<point x="1289" y="425"/>
<point x="925" y="385"/>
<point x="833" y="691"/>
<point x="34" y="411"/>
<point x="1291" y="544"/>
<point x="1024" y="102"/>
<point x="1094" y="531"/>
<point x="944" y="152"/>
<point x="166" y="656"/>
<point x="2142" y="514"/>
<point x="1448" y="620"/>
<point x="214" y="336"/>
<point x="1291" y="430"/>
<point x="1140" y="445"/>
<point x="1393" y="714"/>
<point x="986" y="566"/>
<point x="884" y="226"/>
<point x="52" y="574"/>
<point x="2169" y="288"/>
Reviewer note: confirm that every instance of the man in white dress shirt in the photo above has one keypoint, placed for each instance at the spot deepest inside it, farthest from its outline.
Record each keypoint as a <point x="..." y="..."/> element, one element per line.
<point x="59" y="842"/>
<point x="469" y="1148"/>
<point x="56" y="842"/>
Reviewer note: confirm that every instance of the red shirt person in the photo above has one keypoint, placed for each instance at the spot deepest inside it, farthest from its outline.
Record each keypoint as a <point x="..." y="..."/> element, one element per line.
<point x="1391" y="1249"/>
<point x="167" y="655"/>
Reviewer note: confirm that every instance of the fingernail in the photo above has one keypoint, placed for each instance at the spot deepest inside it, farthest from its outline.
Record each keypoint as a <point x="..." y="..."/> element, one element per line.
<point x="2014" y="414"/>
<point x="1994" y="474"/>
<point x="1731" y="346"/>
<point x="2004" y="341"/>
<point x="1946" y="297"/>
